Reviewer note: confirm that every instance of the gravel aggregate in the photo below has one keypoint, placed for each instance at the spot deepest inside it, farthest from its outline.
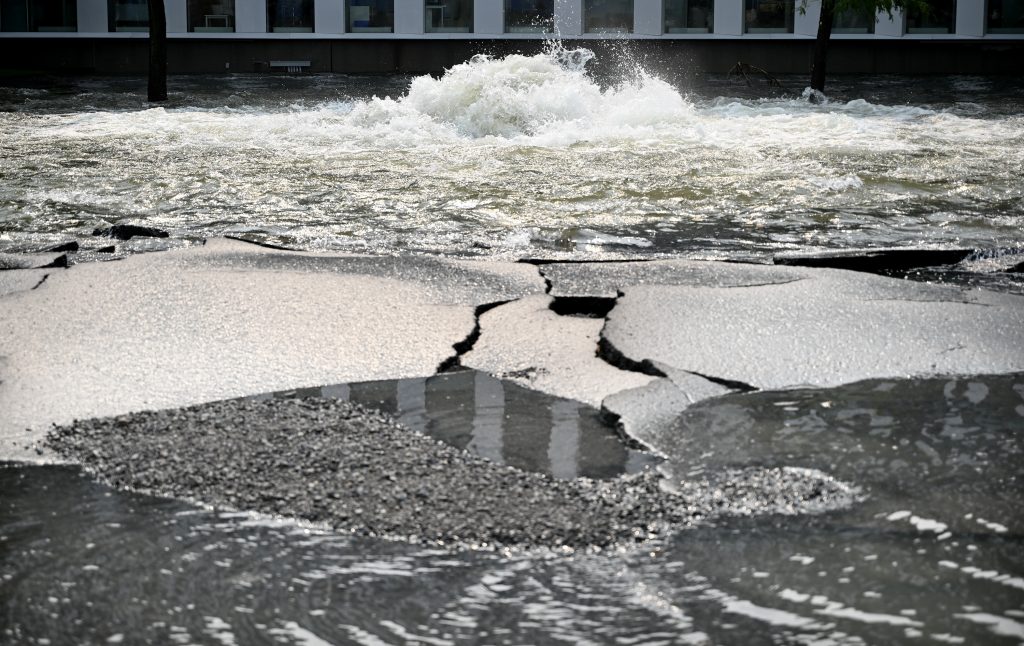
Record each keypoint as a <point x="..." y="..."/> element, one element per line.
<point x="355" y="469"/>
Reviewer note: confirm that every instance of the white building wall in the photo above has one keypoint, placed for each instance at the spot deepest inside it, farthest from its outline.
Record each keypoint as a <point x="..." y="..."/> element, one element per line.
<point x="176" y="12"/>
<point x="329" y="16"/>
<point x="250" y="16"/>
<point x="92" y="16"/>
<point x="489" y="17"/>
<point x="568" y="18"/>
<point x="890" y="27"/>
<point x="648" y="17"/>
<point x="806" y="23"/>
<point x="970" y="18"/>
<point x="409" y="16"/>
<point x="729" y="17"/>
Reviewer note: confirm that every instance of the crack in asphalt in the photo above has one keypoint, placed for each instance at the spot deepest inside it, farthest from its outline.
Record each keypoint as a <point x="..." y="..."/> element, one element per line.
<point x="41" y="281"/>
<point x="922" y="300"/>
<point x="732" y="384"/>
<point x="548" y="285"/>
<point x="462" y="347"/>
<point x="768" y="284"/>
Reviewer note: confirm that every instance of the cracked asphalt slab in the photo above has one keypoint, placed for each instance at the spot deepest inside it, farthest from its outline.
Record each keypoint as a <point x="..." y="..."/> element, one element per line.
<point x="355" y="469"/>
<point x="833" y="328"/>
<point x="174" y="330"/>
<point x="223" y="320"/>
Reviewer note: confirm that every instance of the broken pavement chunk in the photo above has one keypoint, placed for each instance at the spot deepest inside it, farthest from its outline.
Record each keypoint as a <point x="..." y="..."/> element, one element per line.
<point x="834" y="328"/>
<point x="32" y="260"/>
<point x="875" y="261"/>
<point x="129" y="231"/>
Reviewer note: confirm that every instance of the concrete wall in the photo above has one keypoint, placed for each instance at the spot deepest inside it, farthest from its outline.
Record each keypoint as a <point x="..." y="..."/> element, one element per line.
<point x="673" y="59"/>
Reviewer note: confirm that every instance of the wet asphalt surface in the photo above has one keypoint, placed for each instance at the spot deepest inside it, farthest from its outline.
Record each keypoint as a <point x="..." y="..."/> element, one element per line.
<point x="355" y="469"/>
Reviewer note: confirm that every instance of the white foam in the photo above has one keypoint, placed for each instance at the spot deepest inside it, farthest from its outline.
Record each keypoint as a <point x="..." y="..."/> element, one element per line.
<point x="548" y="100"/>
<point x="1002" y="626"/>
<point x="843" y="183"/>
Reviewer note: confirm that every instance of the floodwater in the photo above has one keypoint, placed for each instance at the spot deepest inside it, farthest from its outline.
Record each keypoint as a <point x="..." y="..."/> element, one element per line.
<point x="499" y="420"/>
<point x="933" y="554"/>
<point x="519" y="156"/>
<point x="533" y="156"/>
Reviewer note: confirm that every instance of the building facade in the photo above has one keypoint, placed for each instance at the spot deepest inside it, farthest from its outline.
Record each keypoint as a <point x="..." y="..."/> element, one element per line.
<point x="194" y="26"/>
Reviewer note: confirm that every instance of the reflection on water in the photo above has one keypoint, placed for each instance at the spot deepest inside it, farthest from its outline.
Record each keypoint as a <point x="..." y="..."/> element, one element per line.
<point x="952" y="449"/>
<point x="498" y="420"/>
<point x="935" y="554"/>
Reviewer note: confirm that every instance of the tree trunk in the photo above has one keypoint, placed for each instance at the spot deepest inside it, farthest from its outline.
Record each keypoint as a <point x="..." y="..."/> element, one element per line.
<point x="157" y="51"/>
<point x="821" y="45"/>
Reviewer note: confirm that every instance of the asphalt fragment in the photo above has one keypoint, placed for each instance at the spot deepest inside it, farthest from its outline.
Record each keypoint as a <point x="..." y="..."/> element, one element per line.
<point x="334" y="462"/>
<point x="129" y="231"/>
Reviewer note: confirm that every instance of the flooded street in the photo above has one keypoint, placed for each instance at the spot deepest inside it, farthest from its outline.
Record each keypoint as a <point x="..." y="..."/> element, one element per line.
<point x="932" y="553"/>
<point x="885" y="509"/>
<point x="521" y="155"/>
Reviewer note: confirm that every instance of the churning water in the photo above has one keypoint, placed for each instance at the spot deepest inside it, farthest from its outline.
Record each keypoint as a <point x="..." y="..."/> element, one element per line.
<point x="934" y="553"/>
<point x="520" y="155"/>
<point x="523" y="156"/>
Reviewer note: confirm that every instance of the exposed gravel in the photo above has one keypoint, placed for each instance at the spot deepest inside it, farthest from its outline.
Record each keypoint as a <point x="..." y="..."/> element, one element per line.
<point x="355" y="469"/>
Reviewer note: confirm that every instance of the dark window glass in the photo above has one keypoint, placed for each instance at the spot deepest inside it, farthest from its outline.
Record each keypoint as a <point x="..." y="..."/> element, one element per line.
<point x="853" y="22"/>
<point x="290" y="15"/>
<point x="689" y="16"/>
<point x="769" y="16"/>
<point x="607" y="15"/>
<point x="211" y="15"/>
<point x="939" y="18"/>
<point x="128" y="15"/>
<point x="448" y="16"/>
<point x="38" y="15"/>
<point x="371" y="15"/>
<point x="1005" y="17"/>
<point x="529" y="16"/>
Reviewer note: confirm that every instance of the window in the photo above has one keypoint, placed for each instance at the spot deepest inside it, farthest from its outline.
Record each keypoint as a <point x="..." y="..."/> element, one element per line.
<point x="602" y="16"/>
<point x="448" y="16"/>
<point x="852" y="21"/>
<point x="940" y="18"/>
<point x="523" y="16"/>
<point x="289" y="16"/>
<point x="1005" y="17"/>
<point x="211" y="15"/>
<point x="689" y="16"/>
<point x="38" y="15"/>
<point x="371" y="15"/>
<point x="769" y="17"/>
<point x="128" y="15"/>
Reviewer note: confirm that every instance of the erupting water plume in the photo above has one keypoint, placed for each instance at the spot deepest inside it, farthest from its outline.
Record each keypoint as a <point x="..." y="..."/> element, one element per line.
<point x="514" y="152"/>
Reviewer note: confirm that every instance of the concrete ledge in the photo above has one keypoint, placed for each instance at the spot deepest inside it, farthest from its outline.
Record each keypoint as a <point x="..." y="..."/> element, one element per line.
<point x="355" y="53"/>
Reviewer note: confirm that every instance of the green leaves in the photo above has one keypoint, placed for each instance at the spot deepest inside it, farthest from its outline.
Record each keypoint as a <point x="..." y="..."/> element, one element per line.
<point x="871" y="7"/>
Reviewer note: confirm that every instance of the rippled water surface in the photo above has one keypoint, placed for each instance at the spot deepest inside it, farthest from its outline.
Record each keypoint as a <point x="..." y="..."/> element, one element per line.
<point x="527" y="156"/>
<point x="499" y="420"/>
<point x="520" y="155"/>
<point x="84" y="564"/>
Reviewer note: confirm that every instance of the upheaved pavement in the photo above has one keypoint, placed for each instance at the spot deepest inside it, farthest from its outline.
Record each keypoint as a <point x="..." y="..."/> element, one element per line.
<point x="644" y="340"/>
